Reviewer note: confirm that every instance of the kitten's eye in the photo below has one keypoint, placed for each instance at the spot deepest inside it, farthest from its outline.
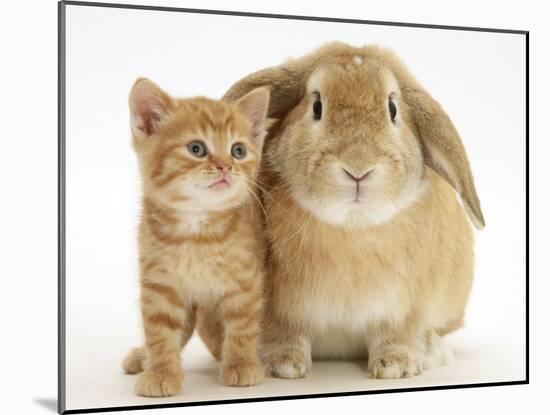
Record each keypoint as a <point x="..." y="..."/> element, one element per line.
<point x="317" y="107"/>
<point x="197" y="148"/>
<point x="392" y="108"/>
<point x="238" y="150"/>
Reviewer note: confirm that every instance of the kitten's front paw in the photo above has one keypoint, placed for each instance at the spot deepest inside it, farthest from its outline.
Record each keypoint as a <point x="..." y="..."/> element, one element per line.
<point x="153" y="384"/>
<point x="394" y="366"/>
<point x="242" y="373"/>
<point x="287" y="365"/>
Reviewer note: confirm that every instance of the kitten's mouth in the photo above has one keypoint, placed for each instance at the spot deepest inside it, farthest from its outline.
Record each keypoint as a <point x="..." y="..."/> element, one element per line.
<point x="220" y="184"/>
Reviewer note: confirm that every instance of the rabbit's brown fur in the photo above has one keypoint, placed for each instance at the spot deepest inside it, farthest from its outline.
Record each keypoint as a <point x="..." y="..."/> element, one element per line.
<point x="384" y="277"/>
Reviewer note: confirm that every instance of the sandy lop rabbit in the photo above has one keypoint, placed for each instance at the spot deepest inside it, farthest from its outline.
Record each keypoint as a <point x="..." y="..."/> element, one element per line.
<point x="371" y="252"/>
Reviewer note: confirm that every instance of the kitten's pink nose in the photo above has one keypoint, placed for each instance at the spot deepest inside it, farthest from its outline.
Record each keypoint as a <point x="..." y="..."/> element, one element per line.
<point x="224" y="168"/>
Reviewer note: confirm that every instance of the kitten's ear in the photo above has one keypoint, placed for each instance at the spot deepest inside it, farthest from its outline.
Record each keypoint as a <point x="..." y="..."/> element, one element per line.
<point x="149" y="105"/>
<point x="254" y="106"/>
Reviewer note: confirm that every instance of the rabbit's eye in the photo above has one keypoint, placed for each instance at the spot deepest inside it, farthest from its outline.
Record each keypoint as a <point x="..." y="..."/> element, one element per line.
<point x="393" y="109"/>
<point x="317" y="107"/>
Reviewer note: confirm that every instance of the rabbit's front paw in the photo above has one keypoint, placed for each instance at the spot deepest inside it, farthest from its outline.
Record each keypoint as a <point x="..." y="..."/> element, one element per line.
<point x="287" y="365"/>
<point x="393" y="365"/>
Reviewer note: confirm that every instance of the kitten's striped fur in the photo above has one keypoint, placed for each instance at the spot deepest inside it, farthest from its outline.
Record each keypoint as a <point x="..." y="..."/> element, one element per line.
<point x="201" y="247"/>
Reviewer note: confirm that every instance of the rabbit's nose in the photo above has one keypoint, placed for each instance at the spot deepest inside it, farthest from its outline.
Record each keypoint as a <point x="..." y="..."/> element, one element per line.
<point x="357" y="178"/>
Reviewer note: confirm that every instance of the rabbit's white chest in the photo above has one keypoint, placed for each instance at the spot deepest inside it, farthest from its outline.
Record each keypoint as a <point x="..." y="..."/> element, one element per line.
<point x="339" y="328"/>
<point x="339" y="315"/>
<point x="355" y="310"/>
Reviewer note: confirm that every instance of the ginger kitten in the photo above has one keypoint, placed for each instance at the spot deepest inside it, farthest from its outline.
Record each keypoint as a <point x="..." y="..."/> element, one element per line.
<point x="200" y="239"/>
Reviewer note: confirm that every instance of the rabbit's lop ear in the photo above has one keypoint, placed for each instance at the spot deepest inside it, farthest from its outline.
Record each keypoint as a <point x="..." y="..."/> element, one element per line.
<point x="287" y="82"/>
<point x="283" y="83"/>
<point x="443" y="149"/>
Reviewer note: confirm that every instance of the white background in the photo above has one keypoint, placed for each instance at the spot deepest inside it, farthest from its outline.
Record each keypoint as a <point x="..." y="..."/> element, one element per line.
<point x="28" y="213"/>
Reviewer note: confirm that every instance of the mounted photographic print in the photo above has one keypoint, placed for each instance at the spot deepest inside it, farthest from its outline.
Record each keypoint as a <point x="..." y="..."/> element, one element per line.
<point x="258" y="207"/>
